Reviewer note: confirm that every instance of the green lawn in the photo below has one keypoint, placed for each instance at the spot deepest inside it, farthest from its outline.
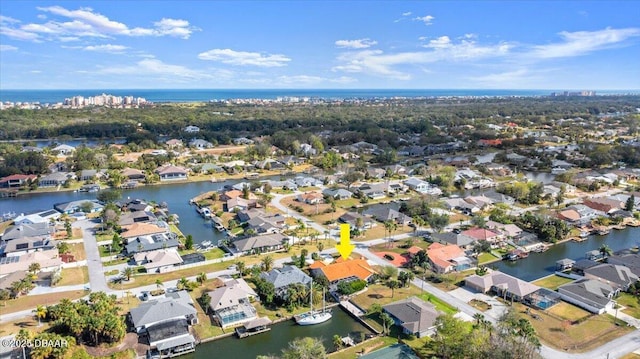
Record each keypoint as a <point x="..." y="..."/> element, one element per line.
<point x="484" y="258"/>
<point x="632" y="304"/>
<point x="439" y="304"/>
<point x="552" y="282"/>
<point x="366" y="347"/>
<point x="568" y="311"/>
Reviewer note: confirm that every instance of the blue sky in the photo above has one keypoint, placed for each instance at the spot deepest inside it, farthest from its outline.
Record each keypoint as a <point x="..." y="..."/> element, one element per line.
<point x="320" y="44"/>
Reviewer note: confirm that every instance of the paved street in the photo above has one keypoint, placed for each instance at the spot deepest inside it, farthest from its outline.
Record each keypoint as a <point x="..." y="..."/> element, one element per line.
<point x="97" y="280"/>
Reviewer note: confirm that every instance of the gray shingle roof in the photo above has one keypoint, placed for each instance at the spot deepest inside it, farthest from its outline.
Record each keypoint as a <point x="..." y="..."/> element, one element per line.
<point x="588" y="291"/>
<point x="286" y="276"/>
<point x="270" y="240"/>
<point x="176" y="305"/>
<point x="414" y="314"/>
<point x="27" y="230"/>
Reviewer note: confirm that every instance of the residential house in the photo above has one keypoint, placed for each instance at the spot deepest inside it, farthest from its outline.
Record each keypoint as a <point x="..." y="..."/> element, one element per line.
<point x="460" y="205"/>
<point x="375" y="173"/>
<point x="421" y="186"/>
<point x="617" y="276"/>
<point x="164" y="323"/>
<point x="159" y="260"/>
<point x="457" y="239"/>
<point x="240" y="204"/>
<point x="170" y="172"/>
<point x="18" y="247"/>
<point x="285" y="277"/>
<point x="448" y="258"/>
<point x="341" y="270"/>
<point x="49" y="261"/>
<point x="606" y="205"/>
<point x="396" y="170"/>
<point x="231" y="304"/>
<point x="234" y="193"/>
<point x="414" y="316"/>
<point x="245" y="216"/>
<point x="384" y="213"/>
<point x="17" y="180"/>
<point x="337" y="193"/>
<point x="481" y="202"/>
<point x="352" y="218"/>
<point x="200" y="144"/>
<point x="63" y="149"/>
<point x="145" y="237"/>
<point x="133" y="174"/>
<point x="128" y="218"/>
<point x="373" y="190"/>
<point x="290" y="161"/>
<point x="174" y="143"/>
<point x="302" y="181"/>
<point x="592" y="295"/>
<point x="242" y="141"/>
<point x="41" y="230"/>
<point x="78" y="206"/>
<point x="260" y="244"/>
<point x="628" y="259"/>
<point x="55" y="179"/>
<point x="310" y="198"/>
<point x="482" y="234"/>
<point x="192" y="129"/>
<point x="264" y="224"/>
<point x="40" y="217"/>
<point x="508" y="230"/>
<point x="501" y="284"/>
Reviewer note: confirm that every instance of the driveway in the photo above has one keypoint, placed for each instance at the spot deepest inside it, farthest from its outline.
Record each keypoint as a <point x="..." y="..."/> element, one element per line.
<point x="467" y="295"/>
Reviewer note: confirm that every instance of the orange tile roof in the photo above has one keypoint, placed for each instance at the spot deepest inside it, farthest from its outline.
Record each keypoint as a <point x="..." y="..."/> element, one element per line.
<point x="480" y="233"/>
<point x="398" y="260"/>
<point x="233" y="193"/>
<point x="440" y="254"/>
<point x="345" y="269"/>
<point x="413" y="250"/>
<point x="140" y="229"/>
<point x="570" y="214"/>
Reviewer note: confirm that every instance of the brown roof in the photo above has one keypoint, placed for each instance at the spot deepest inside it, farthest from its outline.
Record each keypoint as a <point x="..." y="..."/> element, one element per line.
<point x="569" y="214"/>
<point x="140" y="229"/>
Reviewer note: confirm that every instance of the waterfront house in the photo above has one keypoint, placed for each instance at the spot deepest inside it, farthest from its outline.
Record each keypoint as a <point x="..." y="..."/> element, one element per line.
<point x="231" y="303"/>
<point x="502" y="285"/>
<point x="170" y="172"/>
<point x="159" y="260"/>
<point x="41" y="230"/>
<point x="240" y="204"/>
<point x="564" y="264"/>
<point x="18" y="247"/>
<point x="482" y="234"/>
<point x="264" y="224"/>
<point x="128" y="218"/>
<point x="40" y="217"/>
<point x="507" y="230"/>
<point x="285" y="277"/>
<point x="583" y="264"/>
<point x="617" y="276"/>
<point x="447" y="258"/>
<point x="63" y="149"/>
<point x="594" y="255"/>
<point x="260" y="244"/>
<point x="337" y="194"/>
<point x="164" y="323"/>
<point x="414" y="316"/>
<point x="78" y="206"/>
<point x="245" y="216"/>
<point x="49" y="261"/>
<point x="457" y="239"/>
<point x="341" y="270"/>
<point x="302" y="181"/>
<point x="605" y="205"/>
<point x="17" y="180"/>
<point x="145" y="237"/>
<point x="351" y="218"/>
<point x="588" y="294"/>
<point x="384" y="213"/>
<point x="133" y="174"/>
<point x="627" y="259"/>
<point x="55" y="179"/>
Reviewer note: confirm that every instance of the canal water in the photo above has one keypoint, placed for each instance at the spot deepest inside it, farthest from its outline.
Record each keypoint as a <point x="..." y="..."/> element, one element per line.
<point x="273" y="341"/>
<point x="176" y="196"/>
<point x="538" y="265"/>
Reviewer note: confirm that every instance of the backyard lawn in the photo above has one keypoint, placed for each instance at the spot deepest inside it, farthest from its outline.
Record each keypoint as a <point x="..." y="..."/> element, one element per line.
<point x="484" y="258"/>
<point x="439" y="304"/>
<point x="568" y="311"/>
<point x="31" y="301"/>
<point x="631" y="304"/>
<point x="73" y="276"/>
<point x="363" y="348"/>
<point x="381" y="294"/>
<point x="552" y="282"/>
<point x="77" y="250"/>
<point x="584" y="336"/>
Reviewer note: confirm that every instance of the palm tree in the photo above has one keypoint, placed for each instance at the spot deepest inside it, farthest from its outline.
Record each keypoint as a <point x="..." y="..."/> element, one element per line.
<point x="479" y="318"/>
<point x="41" y="313"/>
<point x="34" y="268"/>
<point x="127" y="273"/>
<point x="201" y="278"/>
<point x="267" y="263"/>
<point x="337" y="342"/>
<point x="605" y="250"/>
<point x="241" y="267"/>
<point x="159" y="283"/>
<point x="183" y="283"/>
<point x="393" y="284"/>
<point x="387" y="322"/>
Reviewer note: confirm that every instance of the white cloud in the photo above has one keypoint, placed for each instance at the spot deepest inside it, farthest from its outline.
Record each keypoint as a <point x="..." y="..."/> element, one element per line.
<point x="427" y="19"/>
<point x="8" y="48"/>
<point x="583" y="42"/>
<point x="504" y="78"/>
<point x="8" y="20"/>
<point x="243" y="58"/>
<point x="113" y="49"/>
<point x="35" y="71"/>
<point x="408" y="13"/>
<point x="154" y="67"/>
<point x="356" y="44"/>
<point x="84" y="22"/>
<point x="442" y="49"/>
<point x="311" y="80"/>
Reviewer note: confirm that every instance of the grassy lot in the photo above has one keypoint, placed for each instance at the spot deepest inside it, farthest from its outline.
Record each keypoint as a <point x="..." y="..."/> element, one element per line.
<point x="31" y="301"/>
<point x="399" y="247"/>
<point x="176" y="230"/>
<point x="115" y="262"/>
<point x="72" y="276"/>
<point x="484" y="258"/>
<point x="29" y="323"/>
<point x="552" y="282"/>
<point x="631" y="356"/>
<point x="632" y="304"/>
<point x="348" y="203"/>
<point x="214" y="253"/>
<point x="588" y="334"/>
<point x="127" y="303"/>
<point x="452" y="280"/>
<point x="77" y="250"/>
<point x="363" y="348"/>
<point x="4" y="225"/>
<point x="439" y="304"/>
<point x="381" y="294"/>
<point x="205" y="327"/>
<point x="480" y="305"/>
<point x="568" y="311"/>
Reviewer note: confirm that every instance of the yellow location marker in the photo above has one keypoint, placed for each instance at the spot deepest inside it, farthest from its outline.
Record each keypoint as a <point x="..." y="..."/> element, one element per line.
<point x="345" y="247"/>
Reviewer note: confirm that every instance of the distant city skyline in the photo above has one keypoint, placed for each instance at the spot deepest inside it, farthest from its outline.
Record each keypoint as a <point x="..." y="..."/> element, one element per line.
<point x="563" y="45"/>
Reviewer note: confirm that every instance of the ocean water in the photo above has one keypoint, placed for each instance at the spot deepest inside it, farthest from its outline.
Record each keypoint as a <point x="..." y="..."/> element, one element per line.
<point x="199" y="95"/>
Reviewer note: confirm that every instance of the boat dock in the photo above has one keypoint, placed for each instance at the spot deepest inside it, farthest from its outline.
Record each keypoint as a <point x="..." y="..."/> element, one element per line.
<point x="351" y="308"/>
<point x="256" y="326"/>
